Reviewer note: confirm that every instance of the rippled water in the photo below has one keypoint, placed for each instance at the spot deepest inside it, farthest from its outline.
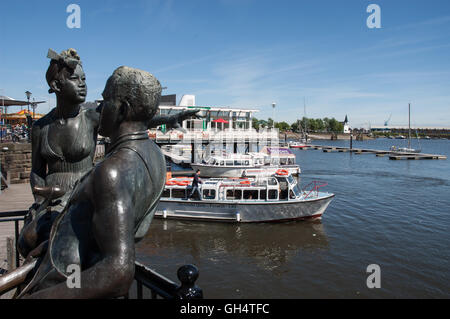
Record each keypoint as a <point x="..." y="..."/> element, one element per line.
<point x="392" y="213"/>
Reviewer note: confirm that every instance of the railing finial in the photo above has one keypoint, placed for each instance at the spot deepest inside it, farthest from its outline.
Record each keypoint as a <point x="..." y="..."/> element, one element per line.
<point x="188" y="274"/>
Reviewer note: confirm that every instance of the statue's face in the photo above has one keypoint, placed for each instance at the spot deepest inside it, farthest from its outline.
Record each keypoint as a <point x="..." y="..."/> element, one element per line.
<point x="73" y="85"/>
<point x="110" y="115"/>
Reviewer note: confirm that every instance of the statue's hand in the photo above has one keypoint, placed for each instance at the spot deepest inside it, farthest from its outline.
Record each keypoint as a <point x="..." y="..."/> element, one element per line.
<point x="175" y="120"/>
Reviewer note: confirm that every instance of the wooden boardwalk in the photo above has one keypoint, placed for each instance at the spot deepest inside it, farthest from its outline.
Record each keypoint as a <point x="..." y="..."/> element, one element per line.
<point x="392" y="154"/>
<point x="15" y="197"/>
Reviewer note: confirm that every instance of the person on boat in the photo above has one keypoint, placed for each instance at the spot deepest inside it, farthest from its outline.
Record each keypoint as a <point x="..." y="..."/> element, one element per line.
<point x="195" y="186"/>
<point x="63" y="145"/>
<point x="111" y="207"/>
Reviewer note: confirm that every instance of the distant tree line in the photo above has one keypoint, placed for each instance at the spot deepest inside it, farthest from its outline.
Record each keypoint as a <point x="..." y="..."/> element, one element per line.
<point x="305" y="124"/>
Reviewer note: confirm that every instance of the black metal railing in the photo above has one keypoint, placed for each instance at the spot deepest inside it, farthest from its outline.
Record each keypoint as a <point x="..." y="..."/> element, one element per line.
<point x="158" y="285"/>
<point x="166" y="288"/>
<point x="16" y="217"/>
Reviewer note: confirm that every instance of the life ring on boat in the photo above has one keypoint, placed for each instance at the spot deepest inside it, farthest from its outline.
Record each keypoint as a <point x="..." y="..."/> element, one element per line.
<point x="171" y="183"/>
<point x="245" y="183"/>
<point x="282" y="172"/>
<point x="183" y="183"/>
<point x="180" y="136"/>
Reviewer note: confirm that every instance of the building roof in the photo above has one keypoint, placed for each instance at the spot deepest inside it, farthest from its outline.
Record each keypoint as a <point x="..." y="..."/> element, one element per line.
<point x="8" y="101"/>
<point x="209" y="108"/>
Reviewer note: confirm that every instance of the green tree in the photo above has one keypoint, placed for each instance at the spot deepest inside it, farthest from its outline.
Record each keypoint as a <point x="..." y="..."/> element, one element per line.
<point x="282" y="126"/>
<point x="255" y="123"/>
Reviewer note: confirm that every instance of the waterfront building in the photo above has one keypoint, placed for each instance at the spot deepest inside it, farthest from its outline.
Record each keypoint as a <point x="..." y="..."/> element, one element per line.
<point x="347" y="128"/>
<point x="217" y="122"/>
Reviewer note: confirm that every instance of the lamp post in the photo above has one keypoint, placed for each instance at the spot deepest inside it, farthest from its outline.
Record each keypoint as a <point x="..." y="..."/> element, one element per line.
<point x="34" y="105"/>
<point x="28" y="94"/>
<point x="1" y="115"/>
<point x="273" y="114"/>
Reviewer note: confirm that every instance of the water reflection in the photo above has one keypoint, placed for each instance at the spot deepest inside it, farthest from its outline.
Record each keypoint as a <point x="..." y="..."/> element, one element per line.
<point x="269" y="246"/>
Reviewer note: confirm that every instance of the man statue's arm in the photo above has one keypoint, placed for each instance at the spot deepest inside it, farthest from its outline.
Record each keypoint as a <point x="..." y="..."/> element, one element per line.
<point x="173" y="121"/>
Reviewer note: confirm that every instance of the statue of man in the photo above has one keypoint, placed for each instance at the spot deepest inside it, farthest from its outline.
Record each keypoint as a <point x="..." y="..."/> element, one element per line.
<point x="112" y="206"/>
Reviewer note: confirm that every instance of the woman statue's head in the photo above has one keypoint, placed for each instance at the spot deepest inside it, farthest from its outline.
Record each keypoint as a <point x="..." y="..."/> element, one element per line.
<point x="65" y="76"/>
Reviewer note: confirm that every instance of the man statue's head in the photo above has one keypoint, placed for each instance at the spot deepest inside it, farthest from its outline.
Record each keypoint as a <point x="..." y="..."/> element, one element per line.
<point x="130" y="95"/>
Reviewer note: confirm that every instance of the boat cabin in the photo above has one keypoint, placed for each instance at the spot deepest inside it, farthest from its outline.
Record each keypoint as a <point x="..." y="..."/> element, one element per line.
<point x="274" y="188"/>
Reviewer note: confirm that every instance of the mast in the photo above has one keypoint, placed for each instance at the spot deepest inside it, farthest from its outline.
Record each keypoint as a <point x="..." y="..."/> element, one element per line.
<point x="306" y="119"/>
<point x="409" y="125"/>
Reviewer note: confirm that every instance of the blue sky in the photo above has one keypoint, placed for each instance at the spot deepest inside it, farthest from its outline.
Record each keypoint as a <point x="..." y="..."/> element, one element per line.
<point x="248" y="53"/>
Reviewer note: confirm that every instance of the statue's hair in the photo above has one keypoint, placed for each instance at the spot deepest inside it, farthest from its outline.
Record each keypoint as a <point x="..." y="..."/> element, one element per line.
<point x="139" y="88"/>
<point x="57" y="66"/>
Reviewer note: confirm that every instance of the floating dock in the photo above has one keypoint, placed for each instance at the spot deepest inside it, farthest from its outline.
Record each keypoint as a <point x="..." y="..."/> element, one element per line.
<point x="393" y="155"/>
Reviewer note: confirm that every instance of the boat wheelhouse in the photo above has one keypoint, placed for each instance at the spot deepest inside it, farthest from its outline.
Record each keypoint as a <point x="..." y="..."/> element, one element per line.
<point x="263" y="199"/>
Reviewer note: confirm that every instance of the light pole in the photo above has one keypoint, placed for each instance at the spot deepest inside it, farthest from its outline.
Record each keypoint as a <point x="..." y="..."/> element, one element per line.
<point x="28" y="94"/>
<point x="34" y="105"/>
<point x="1" y="115"/>
<point x="273" y="114"/>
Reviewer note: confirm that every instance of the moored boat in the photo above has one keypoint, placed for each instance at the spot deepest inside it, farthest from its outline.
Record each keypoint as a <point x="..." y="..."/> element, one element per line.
<point x="248" y="165"/>
<point x="297" y="145"/>
<point x="265" y="199"/>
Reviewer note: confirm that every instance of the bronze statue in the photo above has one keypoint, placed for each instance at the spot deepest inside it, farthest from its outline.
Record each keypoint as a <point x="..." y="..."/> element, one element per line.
<point x="63" y="146"/>
<point x="110" y="207"/>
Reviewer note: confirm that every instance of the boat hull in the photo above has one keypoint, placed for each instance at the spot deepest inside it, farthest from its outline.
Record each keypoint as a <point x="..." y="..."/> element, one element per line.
<point x="248" y="212"/>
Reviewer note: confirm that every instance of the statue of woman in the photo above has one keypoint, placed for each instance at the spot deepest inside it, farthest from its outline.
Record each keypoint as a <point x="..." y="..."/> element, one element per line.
<point x="63" y="146"/>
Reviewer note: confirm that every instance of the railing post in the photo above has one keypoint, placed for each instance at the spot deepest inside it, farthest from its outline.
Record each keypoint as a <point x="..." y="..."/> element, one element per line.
<point x="16" y="233"/>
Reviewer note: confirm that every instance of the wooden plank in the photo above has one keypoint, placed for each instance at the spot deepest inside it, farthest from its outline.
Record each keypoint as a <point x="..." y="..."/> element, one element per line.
<point x="10" y="253"/>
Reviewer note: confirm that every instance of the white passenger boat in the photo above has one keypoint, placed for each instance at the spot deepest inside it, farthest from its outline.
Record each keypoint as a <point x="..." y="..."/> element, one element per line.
<point x="264" y="163"/>
<point x="266" y="199"/>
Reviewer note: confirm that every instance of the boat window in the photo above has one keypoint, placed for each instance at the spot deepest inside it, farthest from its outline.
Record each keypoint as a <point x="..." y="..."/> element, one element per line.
<point x="209" y="194"/>
<point x="247" y="163"/>
<point x="229" y="163"/>
<point x="272" y="181"/>
<point x="178" y="193"/>
<point x="273" y="194"/>
<point x="251" y="194"/>
<point x="222" y="163"/>
<point x="291" y="179"/>
<point x="296" y="190"/>
<point x="237" y="163"/>
<point x="234" y="194"/>
<point x="263" y="194"/>
<point x="166" y="193"/>
<point x="213" y="161"/>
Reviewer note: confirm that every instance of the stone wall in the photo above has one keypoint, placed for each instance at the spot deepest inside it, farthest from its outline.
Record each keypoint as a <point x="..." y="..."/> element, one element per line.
<point x="15" y="159"/>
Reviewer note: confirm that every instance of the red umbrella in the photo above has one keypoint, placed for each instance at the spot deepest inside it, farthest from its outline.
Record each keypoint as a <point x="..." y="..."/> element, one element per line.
<point x="220" y="121"/>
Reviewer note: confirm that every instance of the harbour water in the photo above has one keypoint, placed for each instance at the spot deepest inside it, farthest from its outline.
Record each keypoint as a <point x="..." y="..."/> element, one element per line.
<point x="395" y="214"/>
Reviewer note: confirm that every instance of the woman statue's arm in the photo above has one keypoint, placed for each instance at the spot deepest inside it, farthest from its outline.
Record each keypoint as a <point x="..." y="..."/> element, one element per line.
<point x="38" y="164"/>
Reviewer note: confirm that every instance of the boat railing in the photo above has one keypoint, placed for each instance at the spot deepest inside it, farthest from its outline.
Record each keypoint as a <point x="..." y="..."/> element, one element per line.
<point x="158" y="285"/>
<point x="312" y="189"/>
